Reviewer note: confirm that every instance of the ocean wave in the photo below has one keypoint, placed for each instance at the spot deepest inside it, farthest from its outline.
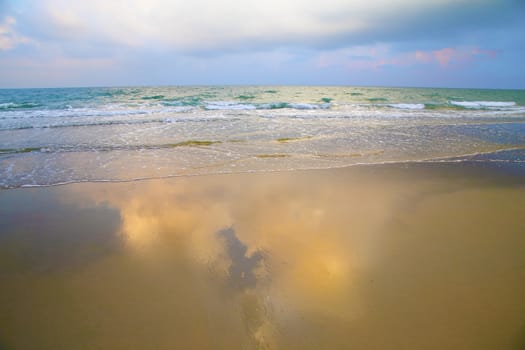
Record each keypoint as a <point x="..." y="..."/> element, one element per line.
<point x="309" y="106"/>
<point x="108" y="111"/>
<point x="75" y="125"/>
<point x="407" y="105"/>
<point x="107" y="148"/>
<point x="245" y="97"/>
<point x="298" y="106"/>
<point x="484" y="104"/>
<point x="492" y="108"/>
<point x="118" y="122"/>
<point x="22" y="105"/>
<point x="227" y="105"/>
<point x="185" y="101"/>
<point x="154" y="97"/>
<point x="152" y="105"/>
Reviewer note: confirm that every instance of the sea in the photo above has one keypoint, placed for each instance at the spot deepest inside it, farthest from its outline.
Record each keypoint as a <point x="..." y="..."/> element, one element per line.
<point x="56" y="136"/>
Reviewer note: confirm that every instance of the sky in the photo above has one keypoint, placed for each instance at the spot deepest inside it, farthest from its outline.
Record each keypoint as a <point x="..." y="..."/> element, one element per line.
<point x="427" y="43"/>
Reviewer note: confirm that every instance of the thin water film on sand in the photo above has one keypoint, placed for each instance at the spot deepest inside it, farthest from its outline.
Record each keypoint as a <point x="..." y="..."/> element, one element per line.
<point x="399" y="257"/>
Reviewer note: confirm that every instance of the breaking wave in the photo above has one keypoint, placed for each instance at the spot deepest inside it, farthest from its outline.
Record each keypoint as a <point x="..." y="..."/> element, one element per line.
<point x="484" y="104"/>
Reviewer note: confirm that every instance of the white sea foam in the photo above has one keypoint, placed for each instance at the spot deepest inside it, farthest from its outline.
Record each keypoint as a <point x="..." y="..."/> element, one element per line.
<point x="84" y="112"/>
<point x="228" y="105"/>
<point x="309" y="106"/>
<point x="407" y="105"/>
<point x="7" y="105"/>
<point x="483" y="104"/>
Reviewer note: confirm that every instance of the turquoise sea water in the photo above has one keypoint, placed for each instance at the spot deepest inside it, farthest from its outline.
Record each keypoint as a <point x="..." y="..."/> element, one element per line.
<point x="55" y="136"/>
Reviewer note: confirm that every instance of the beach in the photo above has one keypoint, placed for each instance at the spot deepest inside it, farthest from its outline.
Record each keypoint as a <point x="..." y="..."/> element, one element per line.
<point x="262" y="175"/>
<point x="399" y="256"/>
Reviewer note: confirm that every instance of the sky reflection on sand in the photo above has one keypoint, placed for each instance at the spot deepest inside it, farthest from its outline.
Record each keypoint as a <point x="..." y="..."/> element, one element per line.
<point x="332" y="259"/>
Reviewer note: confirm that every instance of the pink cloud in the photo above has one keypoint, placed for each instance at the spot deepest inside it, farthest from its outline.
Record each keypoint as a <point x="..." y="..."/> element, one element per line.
<point x="489" y="53"/>
<point x="447" y="56"/>
<point x="422" y="56"/>
<point x="444" y="56"/>
<point x="374" y="58"/>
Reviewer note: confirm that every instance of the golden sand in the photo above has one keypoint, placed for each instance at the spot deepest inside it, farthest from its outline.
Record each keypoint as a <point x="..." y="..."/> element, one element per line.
<point x="377" y="257"/>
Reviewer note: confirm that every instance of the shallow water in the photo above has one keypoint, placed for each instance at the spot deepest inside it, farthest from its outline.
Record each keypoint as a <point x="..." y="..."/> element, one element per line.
<point x="400" y="257"/>
<point x="54" y="136"/>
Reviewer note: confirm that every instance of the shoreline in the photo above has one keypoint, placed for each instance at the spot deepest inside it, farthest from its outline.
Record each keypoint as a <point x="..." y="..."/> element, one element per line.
<point x="509" y="166"/>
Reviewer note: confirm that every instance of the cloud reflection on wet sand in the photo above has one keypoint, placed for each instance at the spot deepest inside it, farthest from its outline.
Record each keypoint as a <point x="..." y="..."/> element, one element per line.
<point x="379" y="257"/>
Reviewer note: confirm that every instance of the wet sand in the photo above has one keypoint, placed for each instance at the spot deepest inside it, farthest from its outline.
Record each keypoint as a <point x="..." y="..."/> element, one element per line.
<point x="373" y="257"/>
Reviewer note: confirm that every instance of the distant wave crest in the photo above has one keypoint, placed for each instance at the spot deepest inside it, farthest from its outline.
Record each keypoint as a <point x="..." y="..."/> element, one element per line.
<point x="226" y="105"/>
<point x="22" y="105"/>
<point x="484" y="104"/>
<point x="408" y="105"/>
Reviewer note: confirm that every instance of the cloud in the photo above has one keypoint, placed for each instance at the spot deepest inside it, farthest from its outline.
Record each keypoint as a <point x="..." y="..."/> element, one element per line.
<point x="8" y="37"/>
<point x="230" y="25"/>
<point x="377" y="56"/>
<point x="446" y="56"/>
<point x="289" y="41"/>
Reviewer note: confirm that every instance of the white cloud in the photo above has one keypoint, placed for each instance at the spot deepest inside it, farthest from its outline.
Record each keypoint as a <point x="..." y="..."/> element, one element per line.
<point x="103" y="42"/>
<point x="8" y="37"/>
<point x="206" y="25"/>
